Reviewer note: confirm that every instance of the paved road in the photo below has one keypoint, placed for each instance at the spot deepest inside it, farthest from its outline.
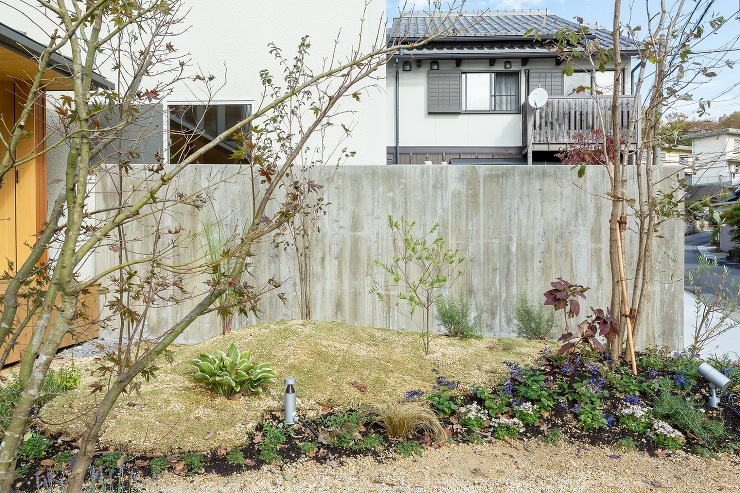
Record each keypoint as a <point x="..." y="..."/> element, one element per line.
<point x="698" y="244"/>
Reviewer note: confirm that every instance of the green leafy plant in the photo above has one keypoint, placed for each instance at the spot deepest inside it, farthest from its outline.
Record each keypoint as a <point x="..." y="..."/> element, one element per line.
<point x="193" y="462"/>
<point x="554" y="436"/>
<point x="62" y="459"/>
<point x="272" y="437"/>
<point x="503" y="427"/>
<point x="531" y="322"/>
<point x="308" y="447"/>
<point x="235" y="457"/>
<point x="496" y="404"/>
<point x="472" y="416"/>
<point x="62" y="380"/>
<point x="681" y="411"/>
<point x="108" y="461"/>
<point x="443" y="401"/>
<point x="34" y="446"/>
<point x="407" y="448"/>
<point x="532" y="386"/>
<point x="627" y="444"/>
<point x="456" y="316"/>
<point x="372" y="441"/>
<point x="157" y="465"/>
<point x="419" y="266"/>
<point x="232" y="372"/>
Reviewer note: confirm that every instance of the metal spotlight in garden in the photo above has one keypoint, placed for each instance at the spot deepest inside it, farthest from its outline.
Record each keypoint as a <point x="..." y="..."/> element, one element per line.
<point x="290" y="412"/>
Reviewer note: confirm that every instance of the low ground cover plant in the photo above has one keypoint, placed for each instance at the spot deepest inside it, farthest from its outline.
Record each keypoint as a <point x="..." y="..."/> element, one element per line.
<point x="581" y="395"/>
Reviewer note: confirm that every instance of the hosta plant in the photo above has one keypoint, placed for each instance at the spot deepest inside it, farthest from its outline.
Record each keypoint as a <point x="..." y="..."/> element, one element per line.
<point x="232" y="372"/>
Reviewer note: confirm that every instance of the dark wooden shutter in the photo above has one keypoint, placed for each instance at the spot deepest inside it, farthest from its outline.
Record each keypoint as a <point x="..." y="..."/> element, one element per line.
<point x="550" y="81"/>
<point x="443" y="91"/>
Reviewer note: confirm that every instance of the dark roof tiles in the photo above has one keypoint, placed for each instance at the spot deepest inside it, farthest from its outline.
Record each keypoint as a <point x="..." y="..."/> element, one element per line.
<point x="490" y="25"/>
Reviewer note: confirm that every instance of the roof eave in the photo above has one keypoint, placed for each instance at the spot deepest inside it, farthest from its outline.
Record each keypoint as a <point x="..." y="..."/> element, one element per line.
<point x="21" y="44"/>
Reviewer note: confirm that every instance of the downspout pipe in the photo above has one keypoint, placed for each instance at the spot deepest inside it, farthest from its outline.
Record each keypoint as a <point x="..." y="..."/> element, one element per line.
<point x="396" y="118"/>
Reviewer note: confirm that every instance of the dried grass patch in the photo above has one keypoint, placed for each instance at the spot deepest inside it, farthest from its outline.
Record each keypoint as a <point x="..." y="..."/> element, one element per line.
<point x="333" y="364"/>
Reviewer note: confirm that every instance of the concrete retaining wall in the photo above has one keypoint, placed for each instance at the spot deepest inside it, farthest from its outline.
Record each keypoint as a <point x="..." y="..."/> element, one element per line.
<point x="519" y="227"/>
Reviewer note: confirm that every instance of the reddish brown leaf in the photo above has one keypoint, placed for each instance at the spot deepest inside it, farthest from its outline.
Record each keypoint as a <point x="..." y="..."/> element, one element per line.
<point x="121" y="460"/>
<point x="250" y="463"/>
<point x="360" y="386"/>
<point x="141" y="462"/>
<point x="47" y="462"/>
<point x="221" y="451"/>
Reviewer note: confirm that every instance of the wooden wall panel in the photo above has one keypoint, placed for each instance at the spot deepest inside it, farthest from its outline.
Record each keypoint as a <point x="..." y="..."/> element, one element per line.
<point x="83" y="331"/>
<point x="7" y="190"/>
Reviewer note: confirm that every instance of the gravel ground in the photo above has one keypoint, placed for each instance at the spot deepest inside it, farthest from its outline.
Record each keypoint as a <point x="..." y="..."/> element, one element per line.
<point x="496" y="467"/>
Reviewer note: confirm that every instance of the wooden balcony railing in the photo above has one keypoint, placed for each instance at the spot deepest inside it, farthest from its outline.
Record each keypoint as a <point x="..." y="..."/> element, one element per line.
<point x="563" y="117"/>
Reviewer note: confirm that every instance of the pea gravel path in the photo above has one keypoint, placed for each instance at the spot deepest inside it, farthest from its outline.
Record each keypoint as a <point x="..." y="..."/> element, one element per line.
<point x="496" y="467"/>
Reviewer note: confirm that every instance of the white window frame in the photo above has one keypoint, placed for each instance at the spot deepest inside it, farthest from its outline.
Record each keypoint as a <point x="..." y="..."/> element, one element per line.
<point x="167" y="103"/>
<point x="491" y="96"/>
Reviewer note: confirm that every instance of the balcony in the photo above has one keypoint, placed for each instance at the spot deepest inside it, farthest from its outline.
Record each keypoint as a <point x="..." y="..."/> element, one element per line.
<point x="563" y="117"/>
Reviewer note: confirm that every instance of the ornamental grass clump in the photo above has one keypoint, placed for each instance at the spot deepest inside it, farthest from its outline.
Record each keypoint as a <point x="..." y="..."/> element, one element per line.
<point x="232" y="372"/>
<point x="409" y="420"/>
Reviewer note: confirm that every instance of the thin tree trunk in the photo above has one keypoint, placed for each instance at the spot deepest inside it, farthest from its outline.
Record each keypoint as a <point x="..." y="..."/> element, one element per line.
<point x="32" y="390"/>
<point x="89" y="439"/>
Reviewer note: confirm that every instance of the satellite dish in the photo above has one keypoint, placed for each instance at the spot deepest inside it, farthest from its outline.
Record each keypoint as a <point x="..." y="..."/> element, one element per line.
<point x="537" y="98"/>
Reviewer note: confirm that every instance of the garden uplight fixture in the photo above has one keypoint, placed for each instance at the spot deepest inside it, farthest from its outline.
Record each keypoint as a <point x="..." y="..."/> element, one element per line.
<point x="716" y="381"/>
<point x="290" y="412"/>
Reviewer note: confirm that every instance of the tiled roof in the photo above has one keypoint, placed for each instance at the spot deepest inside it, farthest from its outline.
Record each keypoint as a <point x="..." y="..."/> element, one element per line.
<point x="490" y="26"/>
<point x="480" y="24"/>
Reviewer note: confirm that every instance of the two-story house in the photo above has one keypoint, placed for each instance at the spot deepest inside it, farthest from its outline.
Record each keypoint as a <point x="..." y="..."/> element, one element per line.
<point x="715" y="157"/>
<point x="462" y="98"/>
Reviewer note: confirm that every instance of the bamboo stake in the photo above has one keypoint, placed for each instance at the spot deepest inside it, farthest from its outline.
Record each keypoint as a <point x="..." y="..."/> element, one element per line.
<point x="625" y="303"/>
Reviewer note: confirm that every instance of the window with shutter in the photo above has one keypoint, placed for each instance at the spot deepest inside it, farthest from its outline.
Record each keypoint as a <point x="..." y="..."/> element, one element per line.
<point x="443" y="91"/>
<point x="552" y="82"/>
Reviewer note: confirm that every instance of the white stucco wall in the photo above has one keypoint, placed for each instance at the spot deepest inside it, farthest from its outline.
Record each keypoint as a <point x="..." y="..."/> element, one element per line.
<point x="417" y="127"/>
<point x="230" y="40"/>
<point x="710" y="159"/>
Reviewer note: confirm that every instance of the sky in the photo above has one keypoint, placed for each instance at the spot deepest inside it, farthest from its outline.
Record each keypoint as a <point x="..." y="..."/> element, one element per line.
<point x="723" y="91"/>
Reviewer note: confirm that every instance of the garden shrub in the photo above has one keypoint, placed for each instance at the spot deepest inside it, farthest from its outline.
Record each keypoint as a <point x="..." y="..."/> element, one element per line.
<point x="34" y="446"/>
<point x="456" y="316"/>
<point x="532" y="322"/>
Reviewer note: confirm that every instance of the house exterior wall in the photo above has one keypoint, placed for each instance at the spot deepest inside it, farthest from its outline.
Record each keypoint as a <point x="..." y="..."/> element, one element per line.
<point x="230" y="41"/>
<point x="419" y="128"/>
<point x="519" y="227"/>
<point x="713" y="156"/>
